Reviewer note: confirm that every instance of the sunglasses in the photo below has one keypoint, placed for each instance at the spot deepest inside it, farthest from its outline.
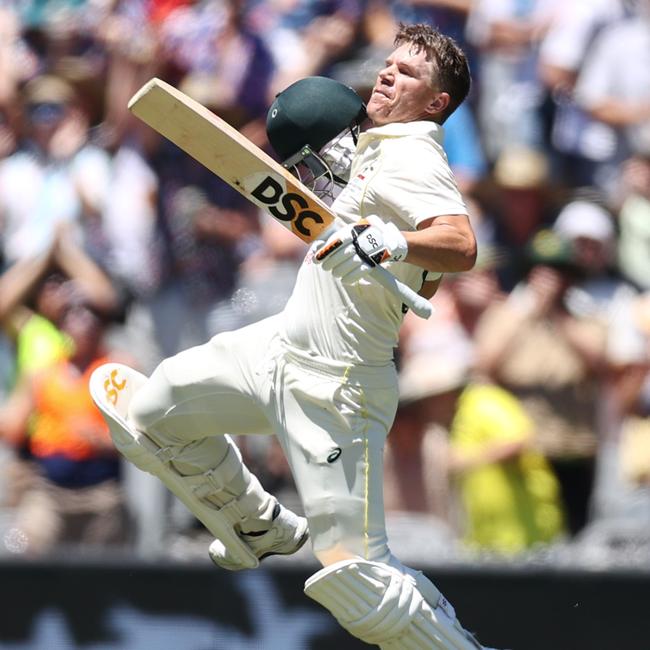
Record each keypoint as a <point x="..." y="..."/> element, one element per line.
<point x="45" y="112"/>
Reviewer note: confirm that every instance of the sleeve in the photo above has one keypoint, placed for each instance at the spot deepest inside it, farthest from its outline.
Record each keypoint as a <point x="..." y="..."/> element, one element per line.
<point x="597" y="79"/>
<point x="481" y="17"/>
<point x="418" y="184"/>
<point x="565" y="43"/>
<point x="91" y="170"/>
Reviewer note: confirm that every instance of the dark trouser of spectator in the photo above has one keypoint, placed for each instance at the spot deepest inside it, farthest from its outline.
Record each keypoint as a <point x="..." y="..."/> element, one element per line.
<point x="576" y="478"/>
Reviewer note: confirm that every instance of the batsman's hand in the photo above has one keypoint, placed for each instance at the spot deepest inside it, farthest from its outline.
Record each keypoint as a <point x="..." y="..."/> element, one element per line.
<point x="354" y="249"/>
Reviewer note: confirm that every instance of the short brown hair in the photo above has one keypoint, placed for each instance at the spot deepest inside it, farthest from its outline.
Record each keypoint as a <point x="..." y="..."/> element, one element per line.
<point x="451" y="74"/>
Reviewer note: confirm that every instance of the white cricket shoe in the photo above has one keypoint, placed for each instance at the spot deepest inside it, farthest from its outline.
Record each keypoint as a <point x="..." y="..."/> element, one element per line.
<point x="287" y="534"/>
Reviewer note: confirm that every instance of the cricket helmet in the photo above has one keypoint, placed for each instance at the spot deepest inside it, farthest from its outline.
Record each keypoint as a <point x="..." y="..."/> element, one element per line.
<point x="309" y="118"/>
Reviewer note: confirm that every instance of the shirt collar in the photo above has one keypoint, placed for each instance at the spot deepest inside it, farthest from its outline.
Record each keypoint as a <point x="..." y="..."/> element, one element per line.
<point x="397" y="129"/>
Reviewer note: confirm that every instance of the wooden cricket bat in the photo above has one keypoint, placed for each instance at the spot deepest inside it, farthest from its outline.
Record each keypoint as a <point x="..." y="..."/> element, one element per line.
<point x="235" y="159"/>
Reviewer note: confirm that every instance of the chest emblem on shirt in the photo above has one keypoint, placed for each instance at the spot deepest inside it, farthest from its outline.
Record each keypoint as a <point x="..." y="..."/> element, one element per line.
<point x="357" y="185"/>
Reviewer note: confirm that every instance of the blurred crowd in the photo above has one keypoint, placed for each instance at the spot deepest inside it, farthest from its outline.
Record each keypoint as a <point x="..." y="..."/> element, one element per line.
<point x="524" y="418"/>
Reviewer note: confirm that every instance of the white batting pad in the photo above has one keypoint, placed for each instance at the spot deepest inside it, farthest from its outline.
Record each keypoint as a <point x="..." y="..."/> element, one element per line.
<point x="382" y="606"/>
<point x="112" y="387"/>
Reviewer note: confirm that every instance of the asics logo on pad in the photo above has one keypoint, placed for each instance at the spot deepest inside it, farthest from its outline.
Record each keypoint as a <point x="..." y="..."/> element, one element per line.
<point x="334" y="455"/>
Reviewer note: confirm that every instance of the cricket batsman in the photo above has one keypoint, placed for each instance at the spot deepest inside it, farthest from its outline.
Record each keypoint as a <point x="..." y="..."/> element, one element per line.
<point x="320" y="375"/>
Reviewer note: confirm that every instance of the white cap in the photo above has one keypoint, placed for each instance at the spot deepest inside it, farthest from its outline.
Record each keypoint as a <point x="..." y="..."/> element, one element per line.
<point x="584" y="219"/>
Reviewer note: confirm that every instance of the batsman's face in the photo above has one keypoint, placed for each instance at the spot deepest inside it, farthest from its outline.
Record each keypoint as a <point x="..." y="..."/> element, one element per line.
<point x="404" y="89"/>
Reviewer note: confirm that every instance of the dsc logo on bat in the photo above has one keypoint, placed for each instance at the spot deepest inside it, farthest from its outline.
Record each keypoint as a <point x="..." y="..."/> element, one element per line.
<point x="287" y="206"/>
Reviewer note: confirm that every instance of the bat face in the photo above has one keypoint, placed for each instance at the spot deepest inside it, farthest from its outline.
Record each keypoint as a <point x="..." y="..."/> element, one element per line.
<point x="229" y="155"/>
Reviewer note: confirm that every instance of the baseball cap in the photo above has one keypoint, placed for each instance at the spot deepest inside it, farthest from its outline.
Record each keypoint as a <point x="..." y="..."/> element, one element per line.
<point x="584" y="219"/>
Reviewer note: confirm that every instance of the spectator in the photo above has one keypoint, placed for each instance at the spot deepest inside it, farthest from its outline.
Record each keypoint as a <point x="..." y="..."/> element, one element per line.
<point x="125" y="238"/>
<point x="208" y="229"/>
<point x="621" y="481"/>
<point x="553" y="362"/>
<point x="123" y="234"/>
<point x="220" y="61"/>
<point x="14" y="68"/>
<point x="126" y="32"/>
<point x="45" y="13"/>
<point x="474" y="292"/>
<point x="417" y="445"/>
<point x="445" y="341"/>
<point x="576" y="138"/>
<point x="590" y="229"/>
<point x="511" y="96"/>
<point x="509" y="498"/>
<point x="380" y="19"/>
<point x="307" y="37"/>
<point x="622" y="494"/>
<point x="634" y="219"/>
<point x="459" y="305"/>
<point x="417" y="448"/>
<point x="510" y="495"/>
<point x="195" y="258"/>
<point x="614" y="88"/>
<point x="75" y="496"/>
<point x="634" y="451"/>
<point x="600" y="293"/>
<point x="33" y="296"/>
<point x="205" y="228"/>
<point x="55" y="177"/>
<point x="518" y="202"/>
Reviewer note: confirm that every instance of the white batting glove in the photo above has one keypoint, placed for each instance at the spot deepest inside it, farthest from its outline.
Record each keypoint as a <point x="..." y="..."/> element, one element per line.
<point x="354" y="249"/>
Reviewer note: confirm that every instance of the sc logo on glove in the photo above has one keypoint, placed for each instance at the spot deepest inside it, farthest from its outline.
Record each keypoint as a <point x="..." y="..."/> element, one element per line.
<point x="372" y="241"/>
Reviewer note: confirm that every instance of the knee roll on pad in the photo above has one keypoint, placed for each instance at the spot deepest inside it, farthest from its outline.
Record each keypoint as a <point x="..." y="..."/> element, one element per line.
<point x="383" y="606"/>
<point x="112" y="387"/>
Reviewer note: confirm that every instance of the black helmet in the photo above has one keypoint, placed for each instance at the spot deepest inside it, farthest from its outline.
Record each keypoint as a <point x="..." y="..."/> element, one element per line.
<point x="312" y="111"/>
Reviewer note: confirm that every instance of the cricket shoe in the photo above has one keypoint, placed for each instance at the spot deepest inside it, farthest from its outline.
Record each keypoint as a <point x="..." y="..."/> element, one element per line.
<point x="287" y="534"/>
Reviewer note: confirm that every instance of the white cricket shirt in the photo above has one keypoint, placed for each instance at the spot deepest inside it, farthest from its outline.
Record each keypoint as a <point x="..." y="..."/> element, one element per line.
<point x="401" y="174"/>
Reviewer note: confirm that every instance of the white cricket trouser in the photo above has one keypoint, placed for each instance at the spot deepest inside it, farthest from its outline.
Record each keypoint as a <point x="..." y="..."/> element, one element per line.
<point x="330" y="418"/>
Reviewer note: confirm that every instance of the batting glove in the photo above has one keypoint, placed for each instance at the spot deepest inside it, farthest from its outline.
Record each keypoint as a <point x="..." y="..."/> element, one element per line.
<point x="354" y="249"/>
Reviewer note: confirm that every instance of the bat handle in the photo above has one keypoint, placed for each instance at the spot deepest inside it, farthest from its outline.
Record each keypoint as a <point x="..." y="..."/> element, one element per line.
<point x="416" y="303"/>
<point x="420" y="306"/>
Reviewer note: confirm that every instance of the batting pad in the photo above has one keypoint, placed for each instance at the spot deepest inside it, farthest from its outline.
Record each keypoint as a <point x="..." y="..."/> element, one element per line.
<point x="382" y="606"/>
<point x="112" y="386"/>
